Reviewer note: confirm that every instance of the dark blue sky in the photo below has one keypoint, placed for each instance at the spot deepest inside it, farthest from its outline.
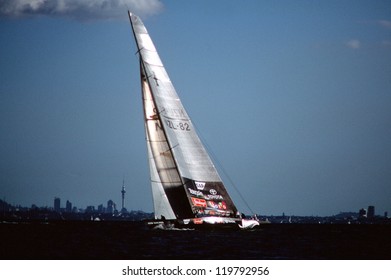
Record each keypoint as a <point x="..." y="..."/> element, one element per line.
<point x="293" y="98"/>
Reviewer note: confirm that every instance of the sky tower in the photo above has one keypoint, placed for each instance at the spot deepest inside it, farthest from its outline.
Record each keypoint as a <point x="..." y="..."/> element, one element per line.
<point x="123" y="196"/>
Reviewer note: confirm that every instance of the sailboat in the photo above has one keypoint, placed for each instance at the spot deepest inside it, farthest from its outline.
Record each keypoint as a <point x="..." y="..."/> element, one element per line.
<point x="186" y="187"/>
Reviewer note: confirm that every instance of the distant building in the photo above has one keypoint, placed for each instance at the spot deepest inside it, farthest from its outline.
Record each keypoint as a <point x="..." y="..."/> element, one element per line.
<point x="90" y="209"/>
<point x="371" y="212"/>
<point x="101" y="209"/>
<point x="57" y="204"/>
<point x="110" y="207"/>
<point x="386" y="214"/>
<point x="68" y="207"/>
<point x="362" y="213"/>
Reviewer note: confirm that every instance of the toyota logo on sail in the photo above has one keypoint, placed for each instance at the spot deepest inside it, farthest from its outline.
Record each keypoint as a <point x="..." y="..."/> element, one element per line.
<point x="213" y="191"/>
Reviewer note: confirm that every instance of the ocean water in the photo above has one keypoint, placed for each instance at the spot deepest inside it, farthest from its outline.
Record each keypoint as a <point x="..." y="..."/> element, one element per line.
<point x="131" y="240"/>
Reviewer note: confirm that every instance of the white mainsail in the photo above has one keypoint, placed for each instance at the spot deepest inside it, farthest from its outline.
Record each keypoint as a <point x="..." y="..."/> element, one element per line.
<point x="185" y="183"/>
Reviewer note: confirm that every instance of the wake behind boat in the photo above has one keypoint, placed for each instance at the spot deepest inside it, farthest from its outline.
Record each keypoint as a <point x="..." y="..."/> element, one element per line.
<point x="186" y="187"/>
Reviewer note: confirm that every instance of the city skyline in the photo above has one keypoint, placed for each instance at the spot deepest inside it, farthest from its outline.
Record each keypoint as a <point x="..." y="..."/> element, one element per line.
<point x="291" y="99"/>
<point x="368" y="212"/>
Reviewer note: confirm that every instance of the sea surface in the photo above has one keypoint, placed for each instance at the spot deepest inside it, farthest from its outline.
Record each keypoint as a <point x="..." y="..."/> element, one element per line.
<point x="131" y="240"/>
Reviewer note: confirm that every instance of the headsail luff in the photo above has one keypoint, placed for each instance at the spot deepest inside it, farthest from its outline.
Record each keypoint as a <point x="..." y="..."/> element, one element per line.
<point x="185" y="183"/>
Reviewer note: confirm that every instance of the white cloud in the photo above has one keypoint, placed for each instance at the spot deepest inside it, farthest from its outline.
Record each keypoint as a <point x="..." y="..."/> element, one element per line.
<point x="353" y="44"/>
<point x="79" y="9"/>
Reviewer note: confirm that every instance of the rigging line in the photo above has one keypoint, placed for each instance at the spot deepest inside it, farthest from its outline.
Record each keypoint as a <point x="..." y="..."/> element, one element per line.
<point x="222" y="167"/>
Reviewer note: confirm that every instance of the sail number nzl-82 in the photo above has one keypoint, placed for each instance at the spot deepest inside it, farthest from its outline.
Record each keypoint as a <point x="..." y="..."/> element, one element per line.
<point x="185" y="126"/>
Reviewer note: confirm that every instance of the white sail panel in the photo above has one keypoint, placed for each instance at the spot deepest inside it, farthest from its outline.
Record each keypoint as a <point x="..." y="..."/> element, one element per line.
<point x="151" y="57"/>
<point x="137" y="25"/>
<point x="160" y="77"/>
<point x="146" y="42"/>
<point x="192" y="159"/>
<point x="161" y="205"/>
<point x="157" y="141"/>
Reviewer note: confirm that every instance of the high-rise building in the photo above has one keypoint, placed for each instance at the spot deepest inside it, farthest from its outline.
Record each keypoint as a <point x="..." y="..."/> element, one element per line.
<point x="90" y="209"/>
<point x="110" y="207"/>
<point x="101" y="209"/>
<point x="68" y="207"/>
<point x="57" y="204"/>
<point x="371" y="212"/>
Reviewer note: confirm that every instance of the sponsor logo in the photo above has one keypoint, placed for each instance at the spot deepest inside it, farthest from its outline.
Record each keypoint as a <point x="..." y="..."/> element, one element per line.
<point x="200" y="185"/>
<point x="214" y="197"/>
<point x="213" y="191"/>
<point x="218" y="205"/>
<point x="198" y="202"/>
<point x="222" y="205"/>
<point x="212" y="204"/>
<point x="194" y="192"/>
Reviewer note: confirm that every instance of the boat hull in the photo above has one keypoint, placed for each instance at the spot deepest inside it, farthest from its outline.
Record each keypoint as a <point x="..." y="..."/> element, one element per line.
<point x="203" y="223"/>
